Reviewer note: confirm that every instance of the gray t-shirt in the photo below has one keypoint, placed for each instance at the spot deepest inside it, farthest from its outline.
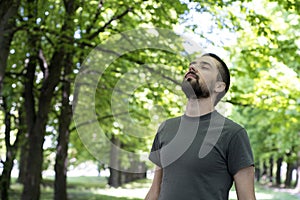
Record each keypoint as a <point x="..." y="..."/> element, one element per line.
<point x="199" y="156"/>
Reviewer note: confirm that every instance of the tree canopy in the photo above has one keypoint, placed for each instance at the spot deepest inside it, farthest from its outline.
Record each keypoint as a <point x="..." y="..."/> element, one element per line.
<point x="92" y="80"/>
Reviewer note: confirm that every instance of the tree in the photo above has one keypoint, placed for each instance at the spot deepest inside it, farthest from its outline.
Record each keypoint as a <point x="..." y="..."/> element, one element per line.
<point x="37" y="133"/>
<point x="266" y="68"/>
<point x="8" y="16"/>
<point x="11" y="148"/>
<point x="44" y="45"/>
<point x="44" y="63"/>
<point x="61" y="162"/>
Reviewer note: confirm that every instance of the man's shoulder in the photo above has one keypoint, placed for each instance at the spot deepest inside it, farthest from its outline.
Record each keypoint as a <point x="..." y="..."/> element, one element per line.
<point x="233" y="124"/>
<point x="173" y="119"/>
<point x="170" y="122"/>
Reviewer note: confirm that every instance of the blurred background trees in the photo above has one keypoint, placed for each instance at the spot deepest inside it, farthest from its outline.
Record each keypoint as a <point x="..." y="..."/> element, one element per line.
<point x="43" y="45"/>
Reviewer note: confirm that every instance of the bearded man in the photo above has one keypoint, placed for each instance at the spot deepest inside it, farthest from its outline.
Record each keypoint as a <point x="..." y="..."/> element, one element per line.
<point x="200" y="154"/>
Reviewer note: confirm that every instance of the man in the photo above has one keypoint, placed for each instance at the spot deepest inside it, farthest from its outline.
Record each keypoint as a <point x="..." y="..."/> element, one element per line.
<point x="200" y="154"/>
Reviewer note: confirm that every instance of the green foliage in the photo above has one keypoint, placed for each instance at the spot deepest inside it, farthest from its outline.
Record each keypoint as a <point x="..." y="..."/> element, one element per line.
<point x="266" y="79"/>
<point x="264" y="65"/>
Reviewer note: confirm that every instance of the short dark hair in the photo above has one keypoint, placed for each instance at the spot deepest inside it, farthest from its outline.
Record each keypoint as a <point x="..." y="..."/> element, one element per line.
<point x="224" y="72"/>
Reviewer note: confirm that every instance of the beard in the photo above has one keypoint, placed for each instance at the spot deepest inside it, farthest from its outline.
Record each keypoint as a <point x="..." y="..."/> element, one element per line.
<point x="194" y="89"/>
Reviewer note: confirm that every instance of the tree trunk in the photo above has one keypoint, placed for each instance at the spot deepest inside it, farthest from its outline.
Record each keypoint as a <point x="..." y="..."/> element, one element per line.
<point x="264" y="173"/>
<point x="288" y="179"/>
<point x="257" y="171"/>
<point x="35" y="121"/>
<point x="29" y="101"/>
<point x="115" y="175"/>
<point x="137" y="170"/>
<point x="35" y="158"/>
<point x="23" y="158"/>
<point x="271" y="162"/>
<point x="11" y="151"/>
<point x="31" y="188"/>
<point x="278" y="171"/>
<point x="297" y="188"/>
<point x="36" y="134"/>
<point x="61" y="162"/>
<point x="139" y="174"/>
<point x="8" y="14"/>
<point x="36" y="128"/>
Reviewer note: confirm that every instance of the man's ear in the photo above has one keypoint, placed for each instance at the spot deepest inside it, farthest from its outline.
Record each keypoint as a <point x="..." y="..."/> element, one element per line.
<point x="220" y="86"/>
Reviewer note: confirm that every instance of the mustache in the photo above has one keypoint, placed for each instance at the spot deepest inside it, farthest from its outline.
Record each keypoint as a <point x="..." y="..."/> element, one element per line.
<point x="193" y="73"/>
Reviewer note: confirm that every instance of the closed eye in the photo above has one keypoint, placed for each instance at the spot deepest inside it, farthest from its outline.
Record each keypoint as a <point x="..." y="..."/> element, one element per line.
<point x="201" y="65"/>
<point x="205" y="66"/>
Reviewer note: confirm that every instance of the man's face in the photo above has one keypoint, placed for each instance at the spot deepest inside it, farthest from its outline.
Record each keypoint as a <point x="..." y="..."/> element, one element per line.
<point x="199" y="81"/>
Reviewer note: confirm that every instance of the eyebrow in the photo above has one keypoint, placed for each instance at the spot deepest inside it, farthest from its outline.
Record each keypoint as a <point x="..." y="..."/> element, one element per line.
<point x="192" y="63"/>
<point x="206" y="63"/>
<point x="202" y="62"/>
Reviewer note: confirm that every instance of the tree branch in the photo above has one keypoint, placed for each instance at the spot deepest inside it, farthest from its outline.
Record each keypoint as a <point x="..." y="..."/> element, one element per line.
<point x="96" y="33"/>
<point x="162" y="75"/>
<point x="43" y="63"/>
<point x="238" y="103"/>
<point x="152" y="70"/>
<point x="96" y="120"/>
<point x="100" y="5"/>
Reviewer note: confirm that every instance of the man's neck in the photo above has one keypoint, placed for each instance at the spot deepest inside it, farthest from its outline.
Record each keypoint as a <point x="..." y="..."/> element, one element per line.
<point x="199" y="107"/>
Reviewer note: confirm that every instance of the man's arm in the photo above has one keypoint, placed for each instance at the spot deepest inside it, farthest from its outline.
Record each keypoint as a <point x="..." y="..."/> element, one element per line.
<point x="155" y="187"/>
<point x="244" y="183"/>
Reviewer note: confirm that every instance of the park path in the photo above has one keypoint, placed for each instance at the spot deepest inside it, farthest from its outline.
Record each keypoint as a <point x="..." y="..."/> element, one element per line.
<point x="121" y="192"/>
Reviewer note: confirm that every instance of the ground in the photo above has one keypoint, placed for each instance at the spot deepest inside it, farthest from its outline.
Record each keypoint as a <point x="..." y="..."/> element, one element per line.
<point x="140" y="189"/>
<point x="95" y="188"/>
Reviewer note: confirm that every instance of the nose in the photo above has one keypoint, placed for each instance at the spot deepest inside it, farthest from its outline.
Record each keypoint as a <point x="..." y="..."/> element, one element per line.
<point x="192" y="68"/>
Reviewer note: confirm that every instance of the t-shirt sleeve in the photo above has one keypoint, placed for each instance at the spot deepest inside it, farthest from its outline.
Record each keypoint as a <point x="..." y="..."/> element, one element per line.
<point x="156" y="146"/>
<point x="239" y="152"/>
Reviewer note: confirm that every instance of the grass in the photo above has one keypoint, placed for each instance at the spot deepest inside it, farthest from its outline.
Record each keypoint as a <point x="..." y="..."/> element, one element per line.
<point x="79" y="188"/>
<point x="264" y="192"/>
<point x="88" y="188"/>
<point x="269" y="193"/>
